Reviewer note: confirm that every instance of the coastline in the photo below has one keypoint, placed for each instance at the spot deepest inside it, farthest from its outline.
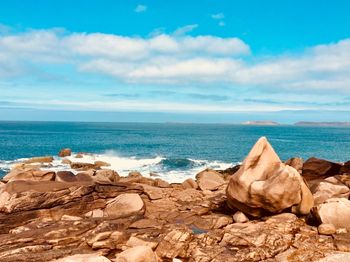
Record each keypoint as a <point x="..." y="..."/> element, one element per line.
<point x="94" y="213"/>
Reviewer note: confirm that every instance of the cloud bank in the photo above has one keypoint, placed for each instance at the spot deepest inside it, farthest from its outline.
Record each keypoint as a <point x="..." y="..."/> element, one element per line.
<point x="177" y="59"/>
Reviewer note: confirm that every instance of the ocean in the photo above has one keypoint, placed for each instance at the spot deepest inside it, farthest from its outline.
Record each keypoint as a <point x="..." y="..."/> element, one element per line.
<point x="175" y="151"/>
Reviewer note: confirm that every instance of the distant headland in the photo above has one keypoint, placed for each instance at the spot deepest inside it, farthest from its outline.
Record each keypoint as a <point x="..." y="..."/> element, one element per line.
<point x="339" y="124"/>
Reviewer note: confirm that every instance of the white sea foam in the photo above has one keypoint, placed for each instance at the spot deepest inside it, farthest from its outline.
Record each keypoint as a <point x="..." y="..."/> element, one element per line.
<point x="124" y="165"/>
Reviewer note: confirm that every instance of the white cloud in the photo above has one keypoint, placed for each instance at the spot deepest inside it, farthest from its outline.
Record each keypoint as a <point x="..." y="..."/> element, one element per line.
<point x="179" y="59"/>
<point x="218" y="16"/>
<point x="185" y="29"/>
<point x="140" y="8"/>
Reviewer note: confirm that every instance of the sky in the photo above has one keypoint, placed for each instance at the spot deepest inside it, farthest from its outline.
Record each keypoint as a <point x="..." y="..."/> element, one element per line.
<point x="190" y="61"/>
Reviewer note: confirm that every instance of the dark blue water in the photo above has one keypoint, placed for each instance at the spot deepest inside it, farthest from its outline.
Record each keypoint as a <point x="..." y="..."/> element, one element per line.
<point x="175" y="142"/>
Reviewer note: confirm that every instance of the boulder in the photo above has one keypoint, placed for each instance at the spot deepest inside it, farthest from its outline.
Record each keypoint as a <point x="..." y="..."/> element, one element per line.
<point x="137" y="254"/>
<point x="296" y="162"/>
<point x="65" y="176"/>
<point x="264" y="184"/>
<point x="66" y="161"/>
<point x="174" y="244"/>
<point x="124" y="205"/>
<point x="161" y="183"/>
<point x="329" y="188"/>
<point x="84" y="177"/>
<point x="65" y="152"/>
<point x="315" y="168"/>
<point x="209" y="180"/>
<point x="335" y="211"/>
<point x="326" y="229"/>
<point x="189" y="183"/>
<point x="240" y="217"/>
<point x="106" y="175"/>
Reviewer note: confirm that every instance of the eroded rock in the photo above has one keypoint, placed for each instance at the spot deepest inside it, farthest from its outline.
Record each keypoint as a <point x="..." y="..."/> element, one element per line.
<point x="124" y="205"/>
<point x="264" y="184"/>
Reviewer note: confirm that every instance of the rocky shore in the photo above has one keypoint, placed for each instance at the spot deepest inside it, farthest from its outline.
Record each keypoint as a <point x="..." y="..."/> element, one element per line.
<point x="263" y="210"/>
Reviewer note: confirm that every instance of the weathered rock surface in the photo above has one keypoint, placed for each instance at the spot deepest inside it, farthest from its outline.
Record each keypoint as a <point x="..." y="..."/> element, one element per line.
<point x="209" y="180"/>
<point x="328" y="188"/>
<point x="84" y="258"/>
<point x="137" y="254"/>
<point x="264" y="184"/>
<point x="136" y="218"/>
<point x="124" y="205"/>
<point x="41" y="159"/>
<point x="335" y="211"/>
<point x="315" y="168"/>
<point x="326" y="229"/>
<point x="297" y="163"/>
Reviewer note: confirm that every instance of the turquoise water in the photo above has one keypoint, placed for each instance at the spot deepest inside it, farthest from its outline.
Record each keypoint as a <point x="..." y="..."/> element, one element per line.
<point x="177" y="146"/>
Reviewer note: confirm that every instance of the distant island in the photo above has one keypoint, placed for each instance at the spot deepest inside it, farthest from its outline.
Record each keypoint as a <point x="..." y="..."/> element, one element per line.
<point x="261" y="123"/>
<point x="340" y="124"/>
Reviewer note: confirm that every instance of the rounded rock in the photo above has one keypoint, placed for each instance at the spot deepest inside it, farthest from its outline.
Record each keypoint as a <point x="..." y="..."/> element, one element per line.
<point x="326" y="229"/>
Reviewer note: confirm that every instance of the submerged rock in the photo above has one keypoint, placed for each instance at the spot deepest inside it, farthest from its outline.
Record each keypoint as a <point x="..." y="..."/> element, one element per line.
<point x="264" y="184"/>
<point x="65" y="152"/>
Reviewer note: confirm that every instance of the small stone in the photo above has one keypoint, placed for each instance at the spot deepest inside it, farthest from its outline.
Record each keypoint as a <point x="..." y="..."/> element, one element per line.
<point x="326" y="229"/>
<point x="240" y="217"/>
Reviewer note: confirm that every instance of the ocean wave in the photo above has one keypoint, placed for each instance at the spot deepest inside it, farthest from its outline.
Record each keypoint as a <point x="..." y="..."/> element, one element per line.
<point x="170" y="169"/>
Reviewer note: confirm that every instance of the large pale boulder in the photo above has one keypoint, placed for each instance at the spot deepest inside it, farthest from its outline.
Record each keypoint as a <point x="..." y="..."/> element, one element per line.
<point x="335" y="211"/>
<point x="124" y="205"/>
<point x="264" y="184"/>
<point x="137" y="254"/>
<point x="209" y="180"/>
<point x="329" y="188"/>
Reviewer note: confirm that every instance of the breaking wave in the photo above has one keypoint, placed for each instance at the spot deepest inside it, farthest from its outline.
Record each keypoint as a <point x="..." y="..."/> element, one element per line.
<point x="169" y="169"/>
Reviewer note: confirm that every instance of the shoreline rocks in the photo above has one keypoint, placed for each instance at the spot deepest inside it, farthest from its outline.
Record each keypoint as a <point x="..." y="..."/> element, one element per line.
<point x="97" y="215"/>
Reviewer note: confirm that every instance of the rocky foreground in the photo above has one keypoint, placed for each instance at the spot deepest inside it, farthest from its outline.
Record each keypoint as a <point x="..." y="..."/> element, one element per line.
<point x="264" y="210"/>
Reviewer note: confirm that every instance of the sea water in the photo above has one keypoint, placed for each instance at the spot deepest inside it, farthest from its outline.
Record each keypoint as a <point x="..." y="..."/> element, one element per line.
<point x="174" y="151"/>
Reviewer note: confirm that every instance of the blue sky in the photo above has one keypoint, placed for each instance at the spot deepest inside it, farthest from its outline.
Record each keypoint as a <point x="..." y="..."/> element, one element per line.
<point x="194" y="61"/>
